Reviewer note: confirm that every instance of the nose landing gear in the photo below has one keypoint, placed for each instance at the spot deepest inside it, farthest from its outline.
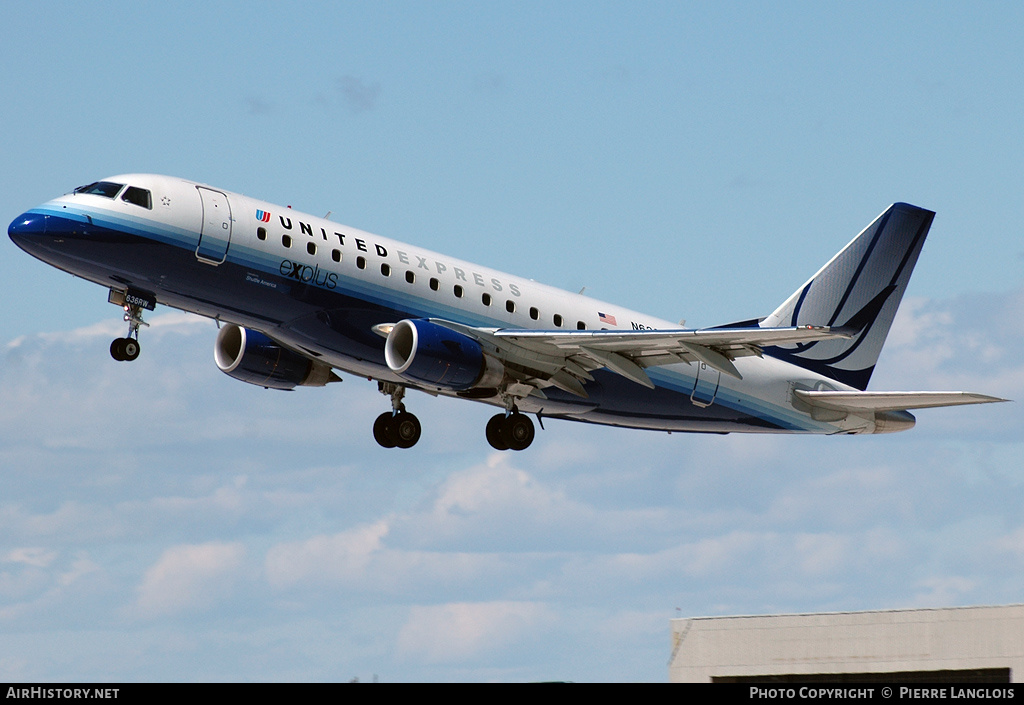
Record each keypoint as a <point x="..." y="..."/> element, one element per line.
<point x="127" y="348"/>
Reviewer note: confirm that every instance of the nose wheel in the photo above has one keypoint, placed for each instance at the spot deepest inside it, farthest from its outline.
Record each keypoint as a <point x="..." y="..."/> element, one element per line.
<point x="125" y="349"/>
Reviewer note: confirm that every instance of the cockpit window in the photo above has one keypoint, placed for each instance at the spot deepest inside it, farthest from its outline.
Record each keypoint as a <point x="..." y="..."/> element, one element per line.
<point x="138" y="196"/>
<point x="101" y="188"/>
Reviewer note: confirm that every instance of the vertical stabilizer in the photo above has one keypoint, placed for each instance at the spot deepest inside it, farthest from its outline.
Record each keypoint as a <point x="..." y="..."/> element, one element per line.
<point x="860" y="288"/>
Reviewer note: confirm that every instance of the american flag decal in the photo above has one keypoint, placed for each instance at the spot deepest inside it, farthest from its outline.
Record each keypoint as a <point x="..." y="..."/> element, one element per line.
<point x="607" y="318"/>
<point x="263" y="216"/>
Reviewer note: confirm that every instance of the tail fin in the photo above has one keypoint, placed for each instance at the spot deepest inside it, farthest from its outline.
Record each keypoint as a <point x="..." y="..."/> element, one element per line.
<point x="860" y="288"/>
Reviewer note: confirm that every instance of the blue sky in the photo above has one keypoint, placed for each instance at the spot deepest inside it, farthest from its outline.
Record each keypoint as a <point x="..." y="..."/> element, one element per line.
<point x="161" y="521"/>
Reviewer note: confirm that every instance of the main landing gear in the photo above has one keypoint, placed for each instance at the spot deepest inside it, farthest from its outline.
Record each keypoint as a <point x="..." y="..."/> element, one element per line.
<point x="127" y="349"/>
<point x="511" y="430"/>
<point x="397" y="427"/>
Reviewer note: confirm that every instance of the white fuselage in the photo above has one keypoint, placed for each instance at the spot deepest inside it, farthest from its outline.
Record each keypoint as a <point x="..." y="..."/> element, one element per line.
<point x="319" y="288"/>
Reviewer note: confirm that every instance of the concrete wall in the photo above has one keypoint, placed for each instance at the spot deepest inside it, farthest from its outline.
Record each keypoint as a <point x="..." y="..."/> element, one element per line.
<point x="890" y="641"/>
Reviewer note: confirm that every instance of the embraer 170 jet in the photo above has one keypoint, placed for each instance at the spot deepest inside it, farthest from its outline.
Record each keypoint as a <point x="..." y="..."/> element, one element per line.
<point x="298" y="297"/>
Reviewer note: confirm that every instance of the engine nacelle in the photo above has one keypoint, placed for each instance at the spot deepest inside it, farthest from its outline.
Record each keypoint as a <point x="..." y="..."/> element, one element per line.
<point x="255" y="358"/>
<point x="430" y="353"/>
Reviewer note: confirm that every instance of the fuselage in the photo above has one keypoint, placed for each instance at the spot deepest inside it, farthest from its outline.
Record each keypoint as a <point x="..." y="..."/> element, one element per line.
<point x="321" y="288"/>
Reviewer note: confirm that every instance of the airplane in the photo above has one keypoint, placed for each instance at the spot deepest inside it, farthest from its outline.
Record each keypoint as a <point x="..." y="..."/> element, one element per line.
<point x="298" y="297"/>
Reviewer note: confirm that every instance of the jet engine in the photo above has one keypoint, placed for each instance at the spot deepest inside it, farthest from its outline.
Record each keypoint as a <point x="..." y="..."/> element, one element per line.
<point x="255" y="358"/>
<point x="430" y="353"/>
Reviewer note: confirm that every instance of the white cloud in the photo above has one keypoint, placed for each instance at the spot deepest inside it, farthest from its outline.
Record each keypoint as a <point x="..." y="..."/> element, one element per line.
<point x="942" y="591"/>
<point x="189" y="578"/>
<point x="718" y="554"/>
<point x="34" y="556"/>
<point x="359" y="560"/>
<point x="72" y="518"/>
<point x="821" y="554"/>
<point x="459" y="632"/>
<point x="499" y="489"/>
<point x="175" y="322"/>
<point x="968" y="343"/>
<point x="80" y="567"/>
<point x="1011" y="543"/>
<point x="339" y="557"/>
<point x="44" y="584"/>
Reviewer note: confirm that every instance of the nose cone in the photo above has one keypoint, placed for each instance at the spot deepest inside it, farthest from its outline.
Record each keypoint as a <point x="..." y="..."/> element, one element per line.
<point x="26" y="227"/>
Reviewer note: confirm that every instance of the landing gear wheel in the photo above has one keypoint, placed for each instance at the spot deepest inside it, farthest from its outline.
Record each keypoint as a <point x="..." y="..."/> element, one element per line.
<point x="514" y="431"/>
<point x="518" y="431"/>
<point x="494" y="432"/>
<point x="405" y="429"/>
<point x="125" y="349"/>
<point x="130" y="348"/>
<point x="383" y="432"/>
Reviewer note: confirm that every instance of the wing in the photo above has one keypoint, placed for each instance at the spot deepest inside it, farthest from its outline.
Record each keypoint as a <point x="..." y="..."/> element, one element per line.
<point x="565" y="358"/>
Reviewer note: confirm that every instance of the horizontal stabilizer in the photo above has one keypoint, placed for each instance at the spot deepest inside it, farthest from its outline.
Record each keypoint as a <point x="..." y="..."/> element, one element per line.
<point x="890" y="401"/>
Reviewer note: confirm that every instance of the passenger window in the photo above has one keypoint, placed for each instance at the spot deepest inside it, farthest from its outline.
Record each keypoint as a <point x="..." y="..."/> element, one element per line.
<point x="458" y="291"/>
<point x="510" y="306"/>
<point x="385" y="269"/>
<point x="361" y="262"/>
<point x="311" y="248"/>
<point x="138" y="196"/>
<point x="336" y="255"/>
<point x="261" y="233"/>
<point x="557" y="318"/>
<point x="434" y="284"/>
<point x="486" y="298"/>
<point x="410" y="277"/>
<point x="580" y="325"/>
<point x="534" y="313"/>
<point x="286" y="240"/>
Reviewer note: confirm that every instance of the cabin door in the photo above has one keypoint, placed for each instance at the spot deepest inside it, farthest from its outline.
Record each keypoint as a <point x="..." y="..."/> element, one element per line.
<point x="215" y="235"/>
